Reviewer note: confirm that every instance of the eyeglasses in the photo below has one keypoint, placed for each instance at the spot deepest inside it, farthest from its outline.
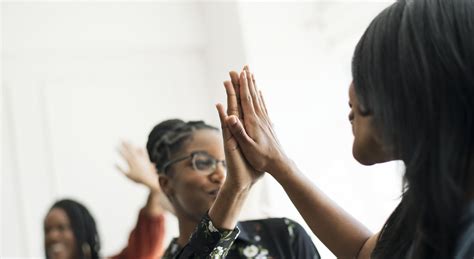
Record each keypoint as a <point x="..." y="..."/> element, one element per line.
<point x="201" y="161"/>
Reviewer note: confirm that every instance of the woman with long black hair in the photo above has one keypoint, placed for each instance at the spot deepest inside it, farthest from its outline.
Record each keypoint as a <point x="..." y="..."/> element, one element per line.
<point x="411" y="99"/>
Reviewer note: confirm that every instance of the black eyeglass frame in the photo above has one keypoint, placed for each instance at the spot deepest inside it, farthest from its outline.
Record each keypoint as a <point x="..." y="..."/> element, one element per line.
<point x="192" y="156"/>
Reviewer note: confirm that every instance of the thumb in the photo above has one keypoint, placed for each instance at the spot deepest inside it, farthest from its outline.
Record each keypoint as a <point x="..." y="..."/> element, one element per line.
<point x="238" y="131"/>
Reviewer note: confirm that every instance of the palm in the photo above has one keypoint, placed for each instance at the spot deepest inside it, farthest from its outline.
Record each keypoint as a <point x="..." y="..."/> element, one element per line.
<point x="140" y="169"/>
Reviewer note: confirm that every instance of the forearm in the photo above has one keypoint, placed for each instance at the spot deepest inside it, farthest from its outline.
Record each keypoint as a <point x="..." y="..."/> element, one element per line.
<point x="339" y="231"/>
<point x="225" y="211"/>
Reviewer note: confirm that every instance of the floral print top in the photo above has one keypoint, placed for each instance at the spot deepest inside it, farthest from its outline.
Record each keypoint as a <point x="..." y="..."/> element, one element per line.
<point x="272" y="238"/>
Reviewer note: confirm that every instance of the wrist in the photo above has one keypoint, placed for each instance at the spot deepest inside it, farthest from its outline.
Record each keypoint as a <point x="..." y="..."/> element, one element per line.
<point x="154" y="189"/>
<point x="152" y="184"/>
<point x="279" y="163"/>
<point x="282" y="168"/>
<point x="236" y="187"/>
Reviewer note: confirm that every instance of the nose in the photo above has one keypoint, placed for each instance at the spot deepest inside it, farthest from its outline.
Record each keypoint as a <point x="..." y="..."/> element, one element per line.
<point x="52" y="235"/>
<point x="218" y="176"/>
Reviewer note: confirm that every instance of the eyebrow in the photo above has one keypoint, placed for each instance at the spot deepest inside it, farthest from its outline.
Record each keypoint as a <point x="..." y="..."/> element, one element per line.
<point x="199" y="151"/>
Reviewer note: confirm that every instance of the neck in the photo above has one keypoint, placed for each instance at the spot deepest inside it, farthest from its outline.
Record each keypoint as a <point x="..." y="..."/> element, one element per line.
<point x="186" y="228"/>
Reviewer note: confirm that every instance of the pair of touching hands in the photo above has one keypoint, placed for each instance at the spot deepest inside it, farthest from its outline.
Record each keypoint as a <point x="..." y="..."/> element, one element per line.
<point x="250" y="142"/>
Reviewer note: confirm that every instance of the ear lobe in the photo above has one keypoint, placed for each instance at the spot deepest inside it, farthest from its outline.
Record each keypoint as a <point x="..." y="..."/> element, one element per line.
<point x="165" y="184"/>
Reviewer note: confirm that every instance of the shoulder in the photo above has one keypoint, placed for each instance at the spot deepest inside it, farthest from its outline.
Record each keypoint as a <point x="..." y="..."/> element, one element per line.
<point x="274" y="222"/>
<point x="279" y="225"/>
<point x="277" y="221"/>
<point x="172" y="249"/>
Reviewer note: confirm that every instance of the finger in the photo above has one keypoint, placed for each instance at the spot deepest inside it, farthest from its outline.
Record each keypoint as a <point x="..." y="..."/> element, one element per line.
<point x="238" y="131"/>
<point x="229" y="142"/>
<point x="264" y="105"/>
<point x="259" y="97"/>
<point x="120" y="169"/>
<point x="255" y="85"/>
<point x="254" y="82"/>
<point x="253" y="92"/>
<point x="125" y="154"/>
<point x="234" y="76"/>
<point x="126" y="149"/>
<point x="246" y="97"/>
<point x="232" y="105"/>
<point x="141" y="151"/>
<point x="131" y="149"/>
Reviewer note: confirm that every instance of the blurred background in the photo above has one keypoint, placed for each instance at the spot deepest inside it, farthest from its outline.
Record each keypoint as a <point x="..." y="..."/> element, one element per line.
<point x="79" y="77"/>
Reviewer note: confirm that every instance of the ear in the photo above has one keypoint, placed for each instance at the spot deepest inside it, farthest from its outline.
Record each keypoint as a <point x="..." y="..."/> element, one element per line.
<point x="166" y="185"/>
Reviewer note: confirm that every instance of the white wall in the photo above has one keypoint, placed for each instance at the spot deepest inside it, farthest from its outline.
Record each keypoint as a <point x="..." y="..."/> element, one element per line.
<point x="78" y="77"/>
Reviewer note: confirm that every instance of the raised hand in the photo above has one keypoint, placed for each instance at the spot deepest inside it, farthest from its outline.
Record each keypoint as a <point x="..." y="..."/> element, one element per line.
<point x="253" y="130"/>
<point x="239" y="171"/>
<point x="240" y="175"/>
<point x="140" y="169"/>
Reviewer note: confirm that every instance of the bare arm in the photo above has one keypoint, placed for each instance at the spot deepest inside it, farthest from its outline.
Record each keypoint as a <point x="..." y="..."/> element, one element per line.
<point x="340" y="232"/>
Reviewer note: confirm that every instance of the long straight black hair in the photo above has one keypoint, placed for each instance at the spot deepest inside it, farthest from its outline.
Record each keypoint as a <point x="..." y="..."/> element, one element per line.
<point x="413" y="69"/>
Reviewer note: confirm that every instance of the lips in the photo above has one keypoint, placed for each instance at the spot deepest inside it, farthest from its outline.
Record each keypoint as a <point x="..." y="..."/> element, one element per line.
<point x="213" y="192"/>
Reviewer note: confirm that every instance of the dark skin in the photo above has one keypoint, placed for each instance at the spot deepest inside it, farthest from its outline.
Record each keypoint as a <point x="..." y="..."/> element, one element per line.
<point x="190" y="192"/>
<point x="367" y="147"/>
<point x="59" y="239"/>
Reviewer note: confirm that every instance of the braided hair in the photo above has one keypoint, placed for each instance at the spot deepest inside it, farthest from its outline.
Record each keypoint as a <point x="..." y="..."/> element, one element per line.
<point x="168" y="137"/>
<point x="83" y="227"/>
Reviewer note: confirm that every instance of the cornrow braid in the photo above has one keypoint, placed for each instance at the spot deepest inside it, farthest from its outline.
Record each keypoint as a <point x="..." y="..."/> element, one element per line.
<point x="83" y="226"/>
<point x="168" y="137"/>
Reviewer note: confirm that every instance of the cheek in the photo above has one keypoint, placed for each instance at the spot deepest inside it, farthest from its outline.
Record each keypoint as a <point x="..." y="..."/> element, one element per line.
<point x="190" y="193"/>
<point x="70" y="242"/>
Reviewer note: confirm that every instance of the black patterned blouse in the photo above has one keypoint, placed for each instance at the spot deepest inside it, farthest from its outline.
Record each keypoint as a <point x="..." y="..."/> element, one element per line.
<point x="272" y="238"/>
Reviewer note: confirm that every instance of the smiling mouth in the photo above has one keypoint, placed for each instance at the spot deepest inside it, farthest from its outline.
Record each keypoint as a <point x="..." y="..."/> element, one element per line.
<point x="214" y="192"/>
<point x="56" y="248"/>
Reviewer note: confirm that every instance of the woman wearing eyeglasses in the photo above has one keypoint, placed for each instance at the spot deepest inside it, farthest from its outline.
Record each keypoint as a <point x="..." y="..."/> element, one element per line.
<point x="191" y="162"/>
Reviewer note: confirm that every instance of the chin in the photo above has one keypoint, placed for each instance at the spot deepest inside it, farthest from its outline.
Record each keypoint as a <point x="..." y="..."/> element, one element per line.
<point x="371" y="159"/>
<point x="363" y="158"/>
<point x="364" y="161"/>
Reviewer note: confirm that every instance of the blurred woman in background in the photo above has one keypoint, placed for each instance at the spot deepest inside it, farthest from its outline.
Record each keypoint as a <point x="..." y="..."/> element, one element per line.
<point x="71" y="232"/>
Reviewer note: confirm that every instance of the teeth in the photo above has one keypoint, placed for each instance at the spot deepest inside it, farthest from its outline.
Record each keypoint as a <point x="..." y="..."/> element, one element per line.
<point x="56" y="248"/>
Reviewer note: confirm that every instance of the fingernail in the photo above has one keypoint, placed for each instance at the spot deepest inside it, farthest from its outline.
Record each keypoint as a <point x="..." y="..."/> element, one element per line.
<point x="244" y="74"/>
